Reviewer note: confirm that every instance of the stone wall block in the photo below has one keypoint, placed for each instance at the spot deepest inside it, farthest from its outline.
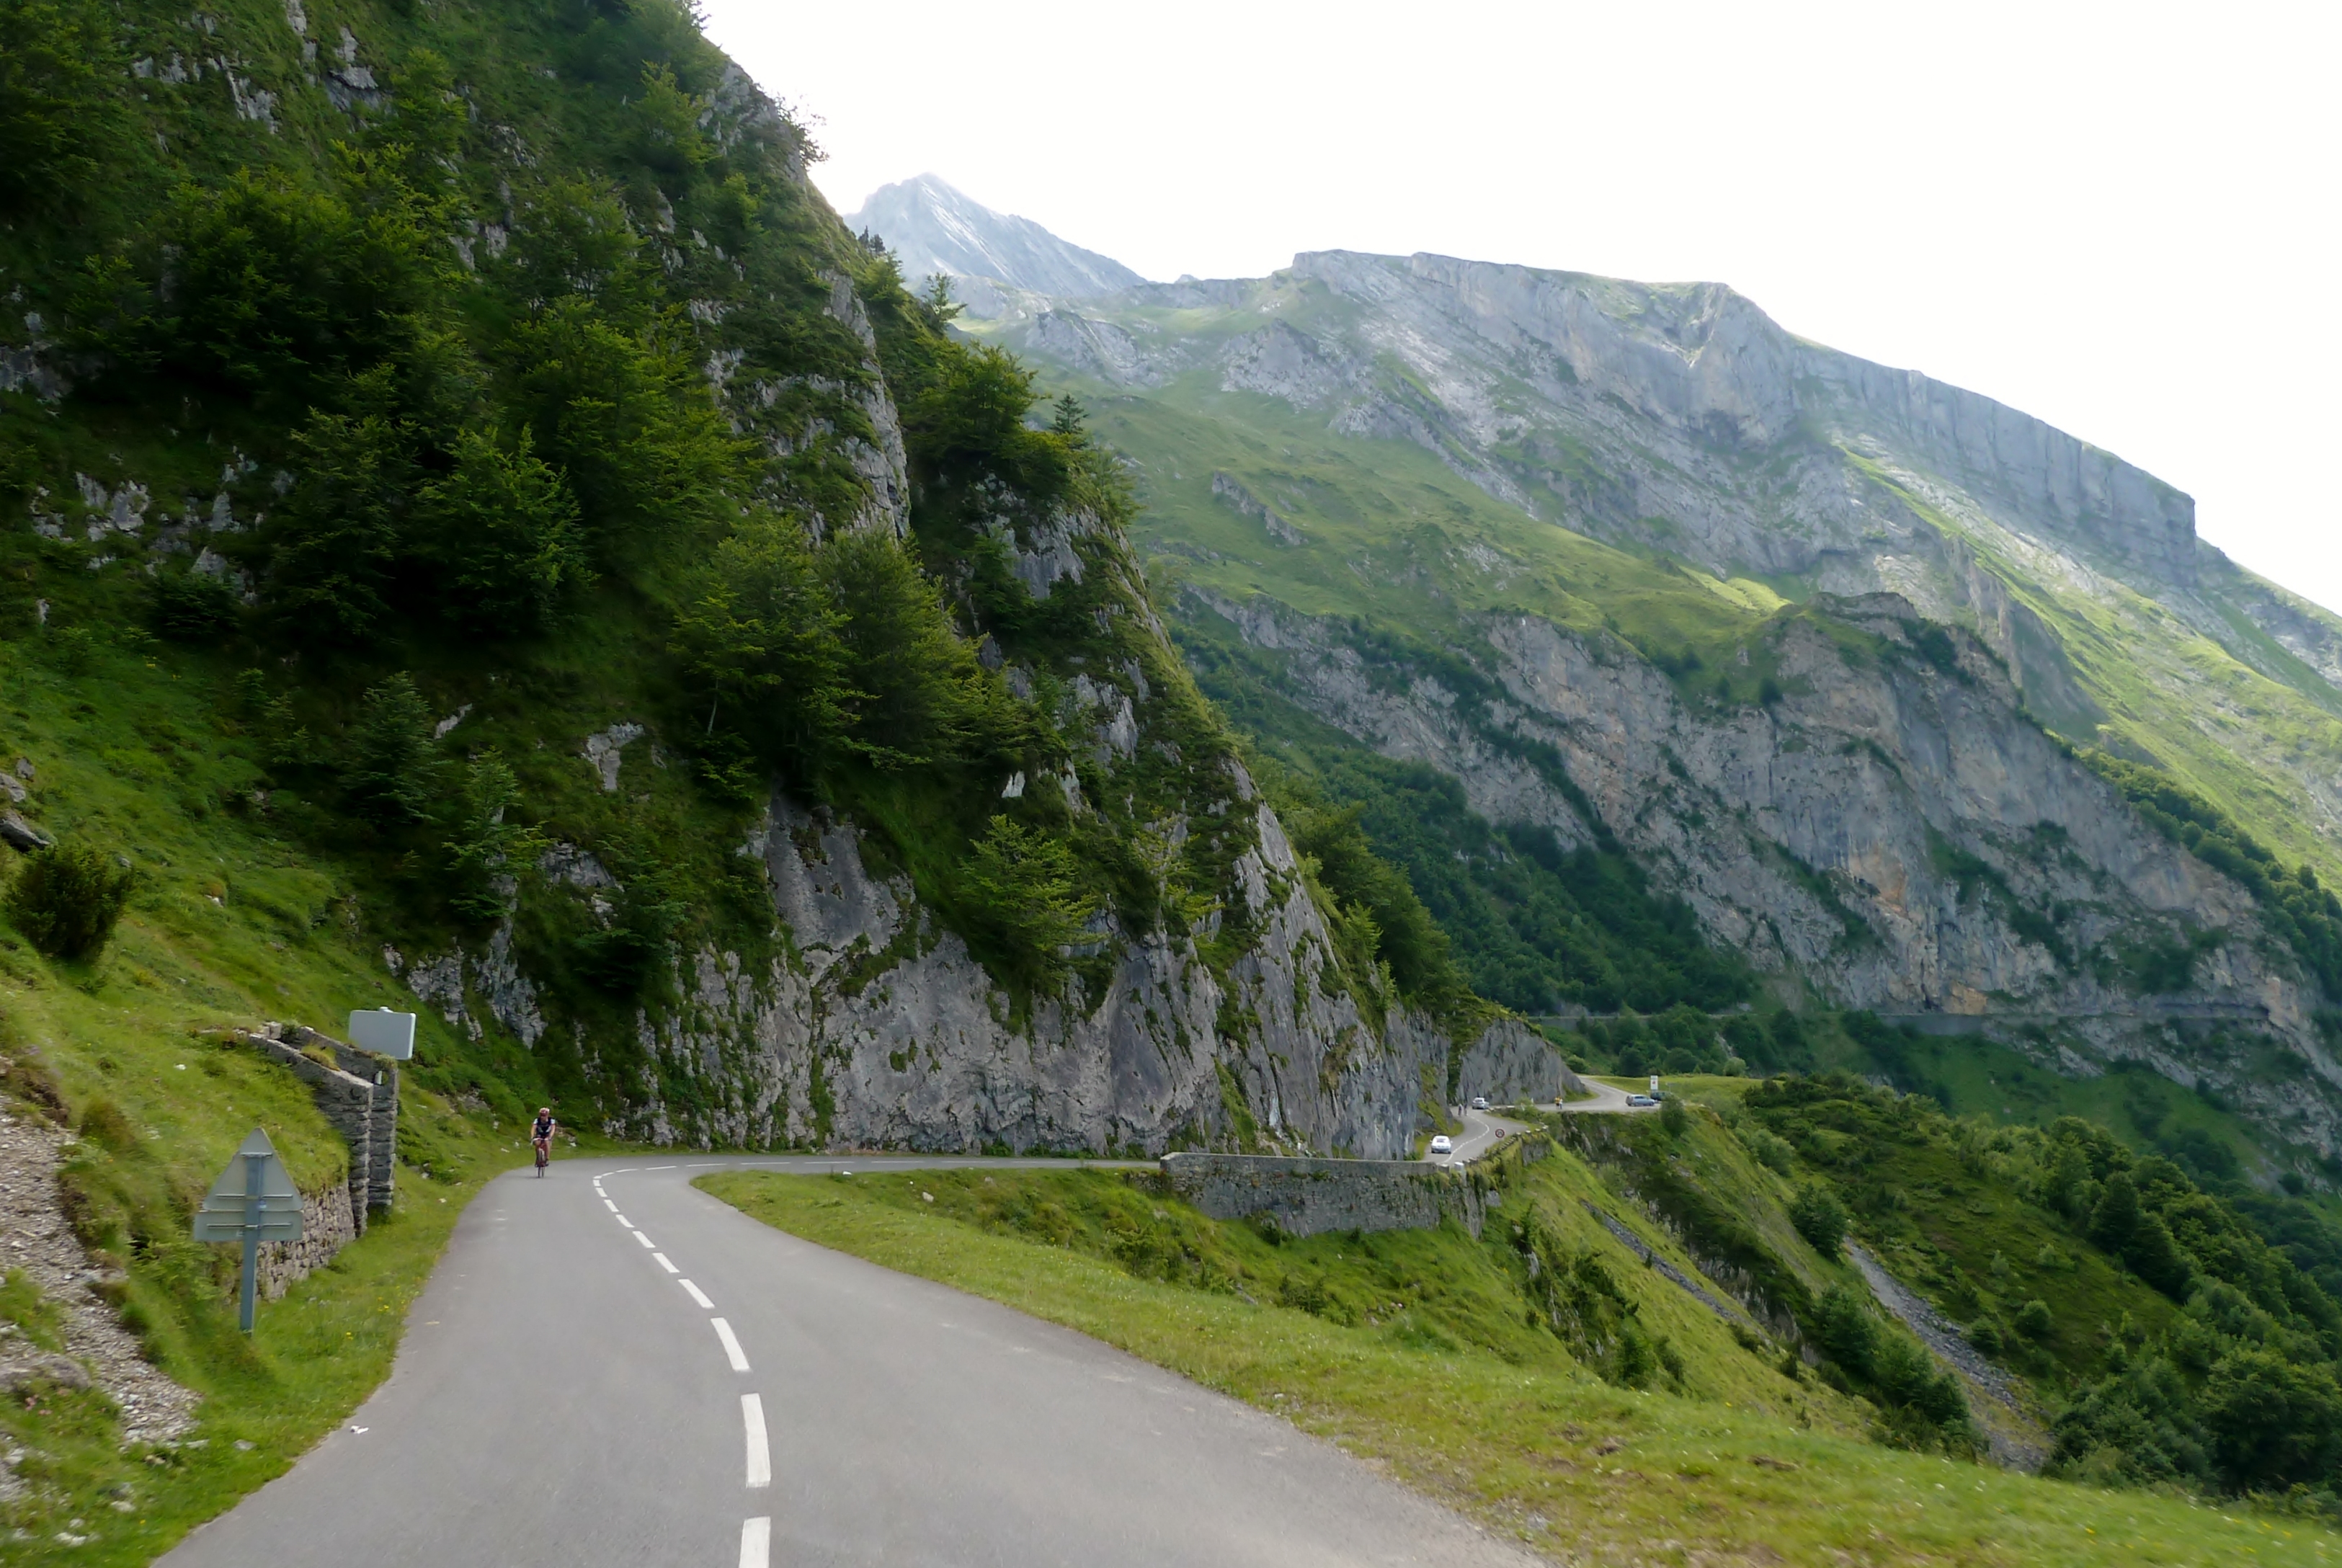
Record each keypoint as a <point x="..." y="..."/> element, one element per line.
<point x="1305" y="1197"/>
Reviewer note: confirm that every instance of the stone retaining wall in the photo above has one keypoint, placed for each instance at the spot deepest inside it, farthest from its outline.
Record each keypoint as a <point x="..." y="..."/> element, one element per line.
<point x="358" y="1095"/>
<point x="326" y="1227"/>
<point x="1307" y="1197"/>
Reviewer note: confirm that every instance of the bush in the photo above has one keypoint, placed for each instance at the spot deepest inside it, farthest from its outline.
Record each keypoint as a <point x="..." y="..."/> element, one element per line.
<point x="505" y="525"/>
<point x="2034" y="1320"/>
<point x="1022" y="890"/>
<point x="278" y="291"/>
<point x="61" y="111"/>
<point x="1673" y="1120"/>
<point x="394" y="771"/>
<point x="193" y="606"/>
<point x="1845" y="1331"/>
<point x="67" y="899"/>
<point x="2273" y="1422"/>
<point x="103" y="1123"/>
<point x="1984" y="1335"/>
<point x="1771" y="1151"/>
<point x="1820" y="1218"/>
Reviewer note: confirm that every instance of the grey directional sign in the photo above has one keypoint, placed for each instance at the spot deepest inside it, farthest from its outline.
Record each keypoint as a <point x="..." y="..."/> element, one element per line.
<point x="253" y="1201"/>
<point x="228" y="1207"/>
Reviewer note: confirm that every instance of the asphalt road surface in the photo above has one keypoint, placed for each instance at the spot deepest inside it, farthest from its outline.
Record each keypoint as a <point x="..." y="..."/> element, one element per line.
<point x="610" y="1369"/>
<point x="1607" y="1098"/>
<point x="1481" y="1133"/>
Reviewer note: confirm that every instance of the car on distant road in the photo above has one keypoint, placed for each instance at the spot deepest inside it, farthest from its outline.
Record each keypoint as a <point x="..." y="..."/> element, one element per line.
<point x="1442" y="1145"/>
<point x="1641" y="1102"/>
<point x="1480" y="1101"/>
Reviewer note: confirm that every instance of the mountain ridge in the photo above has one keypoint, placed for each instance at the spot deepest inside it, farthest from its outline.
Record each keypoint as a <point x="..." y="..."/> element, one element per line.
<point x="936" y="231"/>
<point x="1680" y="425"/>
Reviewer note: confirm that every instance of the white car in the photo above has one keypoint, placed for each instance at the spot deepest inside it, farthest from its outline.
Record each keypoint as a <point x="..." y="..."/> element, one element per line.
<point x="1641" y="1102"/>
<point x="1480" y="1101"/>
<point x="1442" y="1145"/>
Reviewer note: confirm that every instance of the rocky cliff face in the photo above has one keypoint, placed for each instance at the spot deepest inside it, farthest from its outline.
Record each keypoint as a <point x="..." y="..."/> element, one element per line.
<point x="1709" y="373"/>
<point x="1892" y="827"/>
<point x="876" y="1029"/>
<point x="874" y="1026"/>
<point x="1681" y="419"/>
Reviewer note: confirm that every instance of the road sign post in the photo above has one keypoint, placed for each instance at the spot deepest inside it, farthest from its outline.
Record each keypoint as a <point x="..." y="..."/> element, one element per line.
<point x="253" y="1201"/>
<point x="384" y="1033"/>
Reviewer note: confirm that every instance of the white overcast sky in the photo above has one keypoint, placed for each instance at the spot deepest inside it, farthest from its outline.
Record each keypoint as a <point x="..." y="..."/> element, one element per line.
<point x="2120" y="218"/>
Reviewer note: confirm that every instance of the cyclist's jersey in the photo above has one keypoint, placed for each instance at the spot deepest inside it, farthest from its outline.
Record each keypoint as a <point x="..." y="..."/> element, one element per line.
<point x="544" y="1127"/>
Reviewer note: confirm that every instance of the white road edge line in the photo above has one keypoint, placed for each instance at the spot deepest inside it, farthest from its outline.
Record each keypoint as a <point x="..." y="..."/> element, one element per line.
<point x="665" y="1264"/>
<point x="731" y="1344"/>
<point x="756" y="1543"/>
<point x="696" y="1293"/>
<point x="760" y="1453"/>
<point x="646" y="1241"/>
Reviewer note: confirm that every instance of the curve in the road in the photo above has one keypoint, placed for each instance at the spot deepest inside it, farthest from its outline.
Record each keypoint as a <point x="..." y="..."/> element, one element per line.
<point x="1609" y="1100"/>
<point x="611" y="1369"/>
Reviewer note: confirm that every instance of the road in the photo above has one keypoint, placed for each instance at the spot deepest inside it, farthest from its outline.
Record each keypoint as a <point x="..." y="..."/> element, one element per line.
<point x="1481" y="1132"/>
<point x="611" y="1369"/>
<point x="1608" y="1099"/>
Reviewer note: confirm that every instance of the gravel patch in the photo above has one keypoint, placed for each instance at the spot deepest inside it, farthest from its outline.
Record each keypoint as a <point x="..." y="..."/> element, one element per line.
<point x="2014" y="1436"/>
<point x="35" y="1238"/>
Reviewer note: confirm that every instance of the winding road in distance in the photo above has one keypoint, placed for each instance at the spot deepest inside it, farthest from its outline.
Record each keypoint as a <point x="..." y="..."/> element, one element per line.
<point x="611" y="1369"/>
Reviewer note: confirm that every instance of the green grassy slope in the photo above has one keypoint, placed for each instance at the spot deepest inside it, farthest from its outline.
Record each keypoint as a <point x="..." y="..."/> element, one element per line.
<point x="1400" y="1348"/>
<point x="367" y="462"/>
<point x="2237" y="718"/>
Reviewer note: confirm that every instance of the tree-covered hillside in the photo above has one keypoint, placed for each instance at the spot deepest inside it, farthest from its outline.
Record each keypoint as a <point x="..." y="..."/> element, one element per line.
<point x="498" y="472"/>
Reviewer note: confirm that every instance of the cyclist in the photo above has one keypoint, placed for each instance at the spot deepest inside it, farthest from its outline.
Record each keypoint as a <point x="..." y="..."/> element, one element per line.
<point x="541" y="1135"/>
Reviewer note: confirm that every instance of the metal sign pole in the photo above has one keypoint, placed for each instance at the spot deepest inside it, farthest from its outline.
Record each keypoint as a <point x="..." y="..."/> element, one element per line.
<point x="263" y="1206"/>
<point x="253" y="1163"/>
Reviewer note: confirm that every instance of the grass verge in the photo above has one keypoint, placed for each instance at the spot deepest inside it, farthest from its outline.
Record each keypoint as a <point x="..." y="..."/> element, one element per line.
<point x="313" y="1357"/>
<point x="1576" y="1468"/>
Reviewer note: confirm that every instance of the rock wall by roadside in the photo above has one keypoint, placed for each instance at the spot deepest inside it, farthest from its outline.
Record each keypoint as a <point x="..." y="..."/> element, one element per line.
<point x="878" y="1030"/>
<point x="328" y="1224"/>
<point x="358" y="1095"/>
<point x="1305" y="1197"/>
<point x="1512" y="1064"/>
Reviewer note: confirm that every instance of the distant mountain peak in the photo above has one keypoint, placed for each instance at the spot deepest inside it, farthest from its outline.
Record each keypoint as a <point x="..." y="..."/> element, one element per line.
<point x="934" y="228"/>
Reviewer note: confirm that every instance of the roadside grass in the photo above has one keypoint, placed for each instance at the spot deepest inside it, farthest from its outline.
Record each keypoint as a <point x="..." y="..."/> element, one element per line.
<point x="313" y="1358"/>
<point x="1578" y="1469"/>
<point x="233" y="922"/>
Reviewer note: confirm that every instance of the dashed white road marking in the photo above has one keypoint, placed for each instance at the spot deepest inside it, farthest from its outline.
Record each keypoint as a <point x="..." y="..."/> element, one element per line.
<point x="731" y="1344"/>
<point x="696" y="1293"/>
<point x="645" y="1239"/>
<point x="661" y="1259"/>
<point x="760" y="1453"/>
<point x="609" y="1206"/>
<point x="658" y="1167"/>
<point x="622" y="1219"/>
<point x="756" y="1543"/>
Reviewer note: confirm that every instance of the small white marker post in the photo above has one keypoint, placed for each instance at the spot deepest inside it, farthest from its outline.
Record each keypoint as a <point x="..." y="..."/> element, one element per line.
<point x="253" y="1201"/>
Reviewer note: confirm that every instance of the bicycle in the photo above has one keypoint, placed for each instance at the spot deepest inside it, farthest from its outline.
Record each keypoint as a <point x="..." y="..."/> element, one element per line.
<point x="544" y="1154"/>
